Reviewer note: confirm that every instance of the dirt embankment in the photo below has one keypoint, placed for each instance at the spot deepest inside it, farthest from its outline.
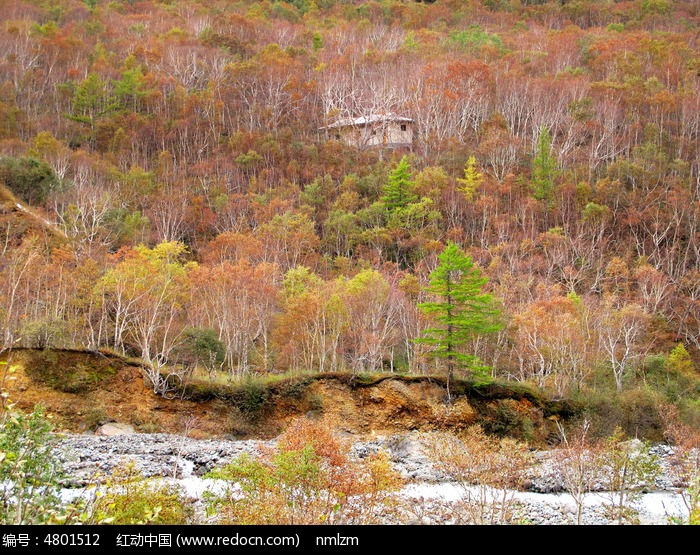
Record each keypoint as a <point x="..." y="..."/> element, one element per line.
<point x="82" y="390"/>
<point x="19" y="221"/>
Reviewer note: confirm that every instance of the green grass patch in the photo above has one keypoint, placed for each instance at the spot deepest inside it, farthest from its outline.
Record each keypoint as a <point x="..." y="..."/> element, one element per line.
<point x="67" y="371"/>
<point x="250" y="396"/>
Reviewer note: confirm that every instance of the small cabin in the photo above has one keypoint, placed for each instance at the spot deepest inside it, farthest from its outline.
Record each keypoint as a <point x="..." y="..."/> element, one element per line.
<point x="378" y="130"/>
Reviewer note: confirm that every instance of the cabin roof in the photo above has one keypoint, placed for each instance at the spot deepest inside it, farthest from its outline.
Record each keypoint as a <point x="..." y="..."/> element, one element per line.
<point x="367" y="120"/>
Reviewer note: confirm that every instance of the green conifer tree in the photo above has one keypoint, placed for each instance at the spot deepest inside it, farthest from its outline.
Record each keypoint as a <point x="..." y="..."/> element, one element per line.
<point x="399" y="191"/>
<point x="543" y="168"/>
<point x="461" y="310"/>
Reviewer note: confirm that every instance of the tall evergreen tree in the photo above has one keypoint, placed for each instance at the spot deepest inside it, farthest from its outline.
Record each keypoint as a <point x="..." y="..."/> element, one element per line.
<point x="461" y="310"/>
<point x="543" y="167"/>
<point x="399" y="191"/>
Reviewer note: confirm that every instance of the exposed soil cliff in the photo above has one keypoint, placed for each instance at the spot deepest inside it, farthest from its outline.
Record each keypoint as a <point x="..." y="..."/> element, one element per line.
<point x="83" y="390"/>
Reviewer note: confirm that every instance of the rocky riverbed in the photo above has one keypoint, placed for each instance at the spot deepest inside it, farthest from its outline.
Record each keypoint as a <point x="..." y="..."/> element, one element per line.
<point x="428" y="497"/>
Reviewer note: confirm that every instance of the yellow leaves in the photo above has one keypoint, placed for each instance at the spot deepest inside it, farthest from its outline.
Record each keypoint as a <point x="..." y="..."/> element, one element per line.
<point x="45" y="143"/>
<point x="142" y="268"/>
<point x="411" y="286"/>
<point x="368" y="282"/>
<point x="679" y="361"/>
<point x="300" y="280"/>
<point x="472" y="179"/>
<point x="382" y="476"/>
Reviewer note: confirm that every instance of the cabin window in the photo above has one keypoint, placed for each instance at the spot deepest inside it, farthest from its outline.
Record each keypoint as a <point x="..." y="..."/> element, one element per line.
<point x="337" y="136"/>
<point x="403" y="127"/>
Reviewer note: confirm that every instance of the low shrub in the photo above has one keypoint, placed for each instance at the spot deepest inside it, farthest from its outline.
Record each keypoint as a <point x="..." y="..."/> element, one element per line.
<point x="310" y="478"/>
<point x="128" y="498"/>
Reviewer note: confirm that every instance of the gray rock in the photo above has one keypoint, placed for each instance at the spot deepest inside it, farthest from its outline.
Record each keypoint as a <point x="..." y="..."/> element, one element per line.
<point x="89" y="459"/>
<point x="408" y="455"/>
<point x="114" y="429"/>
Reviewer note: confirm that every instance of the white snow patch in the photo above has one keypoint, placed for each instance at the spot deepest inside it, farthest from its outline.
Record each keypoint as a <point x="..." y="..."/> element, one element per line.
<point x="654" y="507"/>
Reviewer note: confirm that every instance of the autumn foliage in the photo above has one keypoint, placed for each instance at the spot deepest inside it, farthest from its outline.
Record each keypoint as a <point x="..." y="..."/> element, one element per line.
<point x="310" y="477"/>
<point x="163" y="170"/>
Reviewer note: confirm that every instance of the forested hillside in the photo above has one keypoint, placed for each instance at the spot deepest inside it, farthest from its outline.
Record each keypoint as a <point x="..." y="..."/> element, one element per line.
<point x="171" y="194"/>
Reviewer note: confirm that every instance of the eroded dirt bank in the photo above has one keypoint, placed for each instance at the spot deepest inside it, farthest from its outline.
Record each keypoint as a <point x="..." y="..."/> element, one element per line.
<point x="82" y="390"/>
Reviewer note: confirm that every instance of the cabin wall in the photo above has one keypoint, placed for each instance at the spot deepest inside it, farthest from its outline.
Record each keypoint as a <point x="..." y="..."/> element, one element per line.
<point x="386" y="134"/>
